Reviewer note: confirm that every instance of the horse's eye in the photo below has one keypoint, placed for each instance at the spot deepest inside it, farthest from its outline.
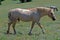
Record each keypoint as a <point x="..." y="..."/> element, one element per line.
<point x="51" y="13"/>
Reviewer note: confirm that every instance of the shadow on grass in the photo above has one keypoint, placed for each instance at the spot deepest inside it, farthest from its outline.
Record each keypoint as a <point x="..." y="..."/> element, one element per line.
<point x="13" y="33"/>
<point x="37" y="34"/>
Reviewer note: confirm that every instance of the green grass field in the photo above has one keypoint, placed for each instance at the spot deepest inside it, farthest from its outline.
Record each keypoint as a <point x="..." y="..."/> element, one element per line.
<point x="22" y="28"/>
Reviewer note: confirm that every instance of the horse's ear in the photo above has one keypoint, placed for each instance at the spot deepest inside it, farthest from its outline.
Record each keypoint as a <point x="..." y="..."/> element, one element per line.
<point x="54" y="7"/>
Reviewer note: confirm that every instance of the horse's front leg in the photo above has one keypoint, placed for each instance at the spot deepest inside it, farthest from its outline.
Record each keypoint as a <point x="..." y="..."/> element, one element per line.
<point x="43" y="31"/>
<point x="31" y="28"/>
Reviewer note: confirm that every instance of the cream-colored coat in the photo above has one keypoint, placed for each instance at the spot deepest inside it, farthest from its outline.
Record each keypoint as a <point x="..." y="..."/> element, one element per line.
<point x="30" y="14"/>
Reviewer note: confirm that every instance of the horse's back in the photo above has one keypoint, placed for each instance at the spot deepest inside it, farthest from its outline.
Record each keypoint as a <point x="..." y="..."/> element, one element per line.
<point x="22" y="14"/>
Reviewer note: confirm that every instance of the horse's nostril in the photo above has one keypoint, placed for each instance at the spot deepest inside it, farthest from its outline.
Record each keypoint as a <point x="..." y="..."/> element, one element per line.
<point x="53" y="18"/>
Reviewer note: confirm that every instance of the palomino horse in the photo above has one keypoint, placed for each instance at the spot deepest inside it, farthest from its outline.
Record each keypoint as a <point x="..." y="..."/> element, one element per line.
<point x="33" y="15"/>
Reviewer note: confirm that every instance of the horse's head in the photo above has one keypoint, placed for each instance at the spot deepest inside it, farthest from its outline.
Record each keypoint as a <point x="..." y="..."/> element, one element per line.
<point x="52" y="15"/>
<point x="47" y="11"/>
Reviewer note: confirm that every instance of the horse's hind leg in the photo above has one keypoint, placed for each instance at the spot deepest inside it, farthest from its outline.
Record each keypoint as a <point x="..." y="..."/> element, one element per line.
<point x="9" y="24"/>
<point x="13" y="25"/>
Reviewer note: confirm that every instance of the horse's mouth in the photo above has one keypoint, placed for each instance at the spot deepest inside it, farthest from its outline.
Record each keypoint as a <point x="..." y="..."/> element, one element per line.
<point x="53" y="18"/>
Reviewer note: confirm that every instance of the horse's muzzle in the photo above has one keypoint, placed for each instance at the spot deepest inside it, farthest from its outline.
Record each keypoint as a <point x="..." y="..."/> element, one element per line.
<point x="53" y="18"/>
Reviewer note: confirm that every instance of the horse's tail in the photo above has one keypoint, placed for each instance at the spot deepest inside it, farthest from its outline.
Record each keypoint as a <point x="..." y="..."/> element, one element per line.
<point x="9" y="15"/>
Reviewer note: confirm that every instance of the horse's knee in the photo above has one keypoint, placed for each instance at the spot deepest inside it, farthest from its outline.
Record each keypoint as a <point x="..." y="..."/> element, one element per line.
<point x="9" y="23"/>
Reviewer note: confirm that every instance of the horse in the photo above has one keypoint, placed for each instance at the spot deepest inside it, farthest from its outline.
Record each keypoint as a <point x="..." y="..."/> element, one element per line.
<point x="31" y="14"/>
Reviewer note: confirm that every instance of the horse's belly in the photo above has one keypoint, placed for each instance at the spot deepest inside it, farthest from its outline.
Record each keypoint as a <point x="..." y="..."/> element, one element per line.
<point x="25" y="18"/>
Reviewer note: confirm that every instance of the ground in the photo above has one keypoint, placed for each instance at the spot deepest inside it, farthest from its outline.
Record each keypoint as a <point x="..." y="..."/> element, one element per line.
<point x="52" y="28"/>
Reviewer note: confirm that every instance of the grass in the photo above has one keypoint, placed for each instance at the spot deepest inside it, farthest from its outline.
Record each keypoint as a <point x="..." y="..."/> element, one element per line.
<point x="22" y="28"/>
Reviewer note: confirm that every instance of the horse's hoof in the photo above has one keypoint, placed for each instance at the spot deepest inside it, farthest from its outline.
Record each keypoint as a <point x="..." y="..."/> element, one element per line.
<point x="43" y="32"/>
<point x="14" y="33"/>
<point x="7" y="32"/>
<point x="29" y="33"/>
